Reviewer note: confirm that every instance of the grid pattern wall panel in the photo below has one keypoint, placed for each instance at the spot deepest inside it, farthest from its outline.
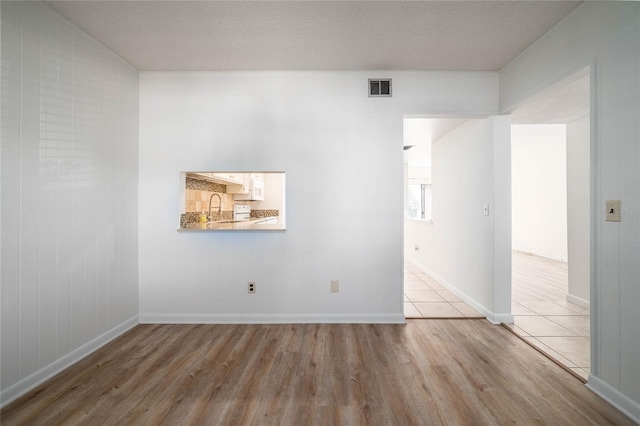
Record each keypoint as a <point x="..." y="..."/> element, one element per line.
<point x="69" y="190"/>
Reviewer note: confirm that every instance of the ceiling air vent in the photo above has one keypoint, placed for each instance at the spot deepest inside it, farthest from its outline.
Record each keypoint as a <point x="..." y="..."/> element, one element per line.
<point x="379" y="87"/>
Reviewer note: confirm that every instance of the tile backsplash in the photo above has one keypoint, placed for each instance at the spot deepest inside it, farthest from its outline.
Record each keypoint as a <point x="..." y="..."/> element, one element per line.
<point x="198" y="195"/>
<point x="264" y="213"/>
<point x="204" y="185"/>
<point x="197" y="200"/>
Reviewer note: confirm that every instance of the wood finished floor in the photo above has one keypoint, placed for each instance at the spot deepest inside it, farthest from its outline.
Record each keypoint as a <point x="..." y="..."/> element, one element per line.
<point x="428" y="372"/>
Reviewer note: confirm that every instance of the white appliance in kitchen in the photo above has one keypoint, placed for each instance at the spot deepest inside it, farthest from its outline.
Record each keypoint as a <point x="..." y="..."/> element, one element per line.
<point x="255" y="191"/>
<point x="241" y="212"/>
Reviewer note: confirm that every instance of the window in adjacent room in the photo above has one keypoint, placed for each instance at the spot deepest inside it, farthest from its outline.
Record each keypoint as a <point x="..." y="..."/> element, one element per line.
<point x="420" y="201"/>
<point x="417" y="133"/>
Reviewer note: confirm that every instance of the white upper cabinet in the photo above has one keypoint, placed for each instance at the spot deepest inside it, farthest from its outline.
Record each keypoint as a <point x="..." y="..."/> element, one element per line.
<point x="237" y="183"/>
<point x="233" y="178"/>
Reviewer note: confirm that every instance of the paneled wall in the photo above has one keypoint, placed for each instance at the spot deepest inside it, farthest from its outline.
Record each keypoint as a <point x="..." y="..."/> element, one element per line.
<point x="605" y="35"/>
<point x="69" y="194"/>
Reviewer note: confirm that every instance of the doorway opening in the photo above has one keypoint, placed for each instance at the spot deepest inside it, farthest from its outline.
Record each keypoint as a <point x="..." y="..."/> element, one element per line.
<point x="551" y="222"/>
<point x="426" y="295"/>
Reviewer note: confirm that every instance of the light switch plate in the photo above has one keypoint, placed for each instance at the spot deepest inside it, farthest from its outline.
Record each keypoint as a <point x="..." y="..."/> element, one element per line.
<point x="485" y="209"/>
<point x="613" y="210"/>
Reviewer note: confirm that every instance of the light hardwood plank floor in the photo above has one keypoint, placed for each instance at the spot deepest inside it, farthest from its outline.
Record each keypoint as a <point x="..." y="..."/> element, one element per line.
<point x="538" y="279"/>
<point x="452" y="372"/>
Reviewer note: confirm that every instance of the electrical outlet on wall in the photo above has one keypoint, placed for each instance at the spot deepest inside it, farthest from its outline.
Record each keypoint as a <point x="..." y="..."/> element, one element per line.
<point x="335" y="286"/>
<point x="251" y="287"/>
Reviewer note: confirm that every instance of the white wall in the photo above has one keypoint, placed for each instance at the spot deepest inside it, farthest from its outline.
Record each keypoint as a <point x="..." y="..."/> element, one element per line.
<point x="69" y="195"/>
<point x="539" y="189"/>
<point x="578" y="210"/>
<point x="606" y="35"/>
<point x="342" y="152"/>
<point x="468" y="252"/>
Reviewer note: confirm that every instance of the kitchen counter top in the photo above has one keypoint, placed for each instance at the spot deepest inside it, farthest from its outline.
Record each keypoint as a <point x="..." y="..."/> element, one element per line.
<point x="255" y="224"/>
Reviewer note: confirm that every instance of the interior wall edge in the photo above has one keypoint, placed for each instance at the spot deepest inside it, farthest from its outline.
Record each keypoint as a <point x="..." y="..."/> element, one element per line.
<point x="624" y="404"/>
<point x="578" y="301"/>
<point x="35" y="379"/>
<point x="69" y="152"/>
<point x="603" y="36"/>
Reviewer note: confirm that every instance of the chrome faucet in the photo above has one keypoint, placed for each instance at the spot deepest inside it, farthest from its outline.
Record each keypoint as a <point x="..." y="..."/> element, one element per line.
<point x="219" y="206"/>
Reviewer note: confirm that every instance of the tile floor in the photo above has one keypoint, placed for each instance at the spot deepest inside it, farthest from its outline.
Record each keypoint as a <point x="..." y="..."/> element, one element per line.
<point x="425" y="298"/>
<point x="542" y="315"/>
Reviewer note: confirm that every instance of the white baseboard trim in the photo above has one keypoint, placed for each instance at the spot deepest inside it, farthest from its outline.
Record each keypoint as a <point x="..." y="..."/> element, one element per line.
<point x="492" y="317"/>
<point x="614" y="397"/>
<point x="18" y="389"/>
<point x="155" y="318"/>
<point x="501" y="318"/>
<point x="545" y="255"/>
<point x="578" y="301"/>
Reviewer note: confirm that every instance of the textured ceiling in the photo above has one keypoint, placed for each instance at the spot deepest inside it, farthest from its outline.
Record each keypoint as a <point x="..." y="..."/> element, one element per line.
<point x="315" y="35"/>
<point x="563" y="103"/>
